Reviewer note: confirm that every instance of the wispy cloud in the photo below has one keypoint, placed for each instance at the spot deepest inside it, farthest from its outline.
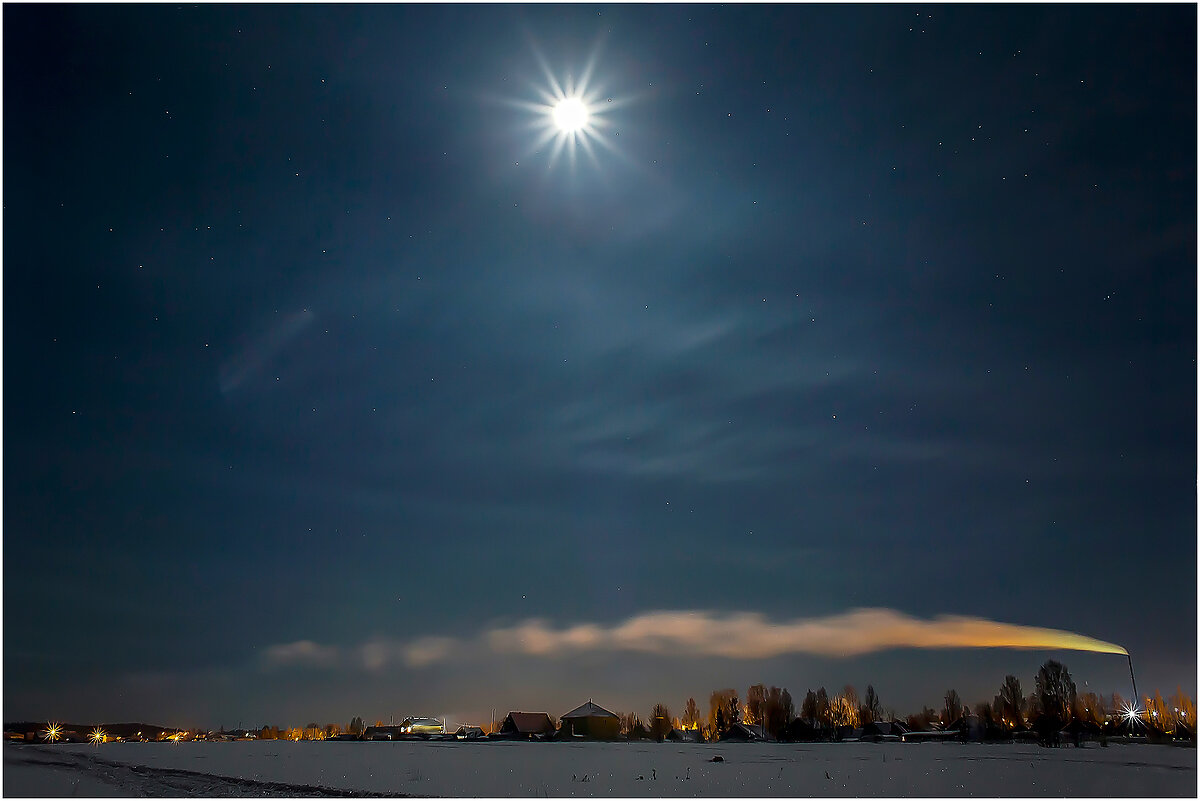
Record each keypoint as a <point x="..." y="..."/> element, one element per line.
<point x="262" y="349"/>
<point x="740" y="635"/>
<point x="303" y="653"/>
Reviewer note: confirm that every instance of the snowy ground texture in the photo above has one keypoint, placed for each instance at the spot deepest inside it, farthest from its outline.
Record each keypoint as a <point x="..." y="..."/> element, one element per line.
<point x="274" y="768"/>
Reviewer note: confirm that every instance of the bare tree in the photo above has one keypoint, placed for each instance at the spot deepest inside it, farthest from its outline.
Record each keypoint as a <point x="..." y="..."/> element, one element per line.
<point x="1089" y="707"/>
<point x="660" y="722"/>
<point x="1055" y="691"/>
<point x="843" y="712"/>
<point x="756" y="704"/>
<point x="1013" y="701"/>
<point x="822" y="705"/>
<point x="953" y="708"/>
<point x="808" y="709"/>
<point x="718" y="701"/>
<point x="871" y="702"/>
<point x="779" y="711"/>
<point x="1159" y="714"/>
<point x="691" y="715"/>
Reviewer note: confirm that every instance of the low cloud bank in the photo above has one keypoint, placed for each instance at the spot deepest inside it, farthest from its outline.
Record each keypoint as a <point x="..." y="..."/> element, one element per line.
<point x="740" y="635"/>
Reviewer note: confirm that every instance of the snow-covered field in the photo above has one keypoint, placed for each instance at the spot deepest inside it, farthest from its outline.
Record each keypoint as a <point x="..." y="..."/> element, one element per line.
<point x="597" y="769"/>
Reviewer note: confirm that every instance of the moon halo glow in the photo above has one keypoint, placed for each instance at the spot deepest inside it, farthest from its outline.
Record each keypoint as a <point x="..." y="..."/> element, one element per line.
<point x="570" y="115"/>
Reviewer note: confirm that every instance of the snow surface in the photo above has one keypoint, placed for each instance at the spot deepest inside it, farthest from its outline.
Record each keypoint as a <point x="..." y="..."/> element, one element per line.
<point x="611" y="769"/>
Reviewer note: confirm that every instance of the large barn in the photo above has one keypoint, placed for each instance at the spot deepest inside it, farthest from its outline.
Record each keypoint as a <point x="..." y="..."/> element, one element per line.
<point x="527" y="725"/>
<point x="591" y="721"/>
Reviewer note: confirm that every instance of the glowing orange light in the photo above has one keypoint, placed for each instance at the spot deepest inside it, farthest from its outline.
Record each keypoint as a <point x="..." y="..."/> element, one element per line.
<point x="53" y="732"/>
<point x="98" y="736"/>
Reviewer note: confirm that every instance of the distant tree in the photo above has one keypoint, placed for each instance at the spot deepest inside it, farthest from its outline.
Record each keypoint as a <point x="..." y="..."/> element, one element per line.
<point x="1055" y="693"/>
<point x="788" y="707"/>
<point x="808" y="708"/>
<point x="851" y="696"/>
<point x="1013" y="702"/>
<point x="1089" y="708"/>
<point x="1186" y="706"/>
<point x="756" y="705"/>
<point x="733" y="712"/>
<point x="822" y="705"/>
<point x="953" y="707"/>
<point x="1033" y="706"/>
<point x="778" y="712"/>
<point x="1159" y="714"/>
<point x="842" y="712"/>
<point x="721" y="725"/>
<point x="871" y="702"/>
<point x="356" y="727"/>
<point x="691" y="715"/>
<point x="984" y="710"/>
<point x="637" y="730"/>
<point x="265" y="733"/>
<point x="660" y="722"/>
<point x="719" y="699"/>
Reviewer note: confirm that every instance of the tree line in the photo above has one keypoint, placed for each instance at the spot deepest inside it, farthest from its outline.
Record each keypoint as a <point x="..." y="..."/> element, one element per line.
<point x="1053" y="704"/>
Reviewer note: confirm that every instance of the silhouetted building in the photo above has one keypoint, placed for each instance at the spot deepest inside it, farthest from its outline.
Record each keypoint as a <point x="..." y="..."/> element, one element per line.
<point x="382" y="733"/>
<point x="527" y="726"/>
<point x="422" y="726"/>
<point x="684" y="735"/>
<point x="591" y="721"/>
<point x="882" y="731"/>
<point x="802" y="731"/>
<point x="469" y="733"/>
<point x="740" y="733"/>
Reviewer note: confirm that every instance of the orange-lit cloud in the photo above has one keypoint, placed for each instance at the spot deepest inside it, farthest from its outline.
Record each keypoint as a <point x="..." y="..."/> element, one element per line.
<point x="750" y="635"/>
<point x="740" y="635"/>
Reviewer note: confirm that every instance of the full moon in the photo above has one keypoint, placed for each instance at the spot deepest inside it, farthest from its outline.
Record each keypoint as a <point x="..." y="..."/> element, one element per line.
<point x="570" y="114"/>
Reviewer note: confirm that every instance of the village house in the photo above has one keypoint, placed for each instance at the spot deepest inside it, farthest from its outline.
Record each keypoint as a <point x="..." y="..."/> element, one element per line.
<point x="592" y="722"/>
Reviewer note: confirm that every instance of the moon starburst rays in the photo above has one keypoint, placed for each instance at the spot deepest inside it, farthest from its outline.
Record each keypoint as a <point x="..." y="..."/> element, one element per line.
<point x="569" y="116"/>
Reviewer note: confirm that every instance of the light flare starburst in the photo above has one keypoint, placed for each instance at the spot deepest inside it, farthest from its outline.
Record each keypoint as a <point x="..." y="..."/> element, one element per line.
<point x="1132" y="714"/>
<point x="98" y="736"/>
<point x="571" y="114"/>
<point x="53" y="732"/>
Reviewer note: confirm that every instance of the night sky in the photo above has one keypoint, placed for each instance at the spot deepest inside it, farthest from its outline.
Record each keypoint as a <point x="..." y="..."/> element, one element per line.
<point x="327" y="362"/>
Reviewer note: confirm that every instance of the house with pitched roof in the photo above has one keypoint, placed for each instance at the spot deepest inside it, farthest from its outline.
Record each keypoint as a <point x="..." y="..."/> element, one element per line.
<point x="526" y="726"/>
<point x="590" y="721"/>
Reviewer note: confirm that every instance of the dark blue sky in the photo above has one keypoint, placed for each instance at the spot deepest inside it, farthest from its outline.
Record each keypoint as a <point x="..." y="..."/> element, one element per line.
<point x="311" y="352"/>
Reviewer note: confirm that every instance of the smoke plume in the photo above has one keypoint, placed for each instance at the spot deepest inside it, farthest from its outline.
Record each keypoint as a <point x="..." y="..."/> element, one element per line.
<point x="739" y="635"/>
<point x="750" y="635"/>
